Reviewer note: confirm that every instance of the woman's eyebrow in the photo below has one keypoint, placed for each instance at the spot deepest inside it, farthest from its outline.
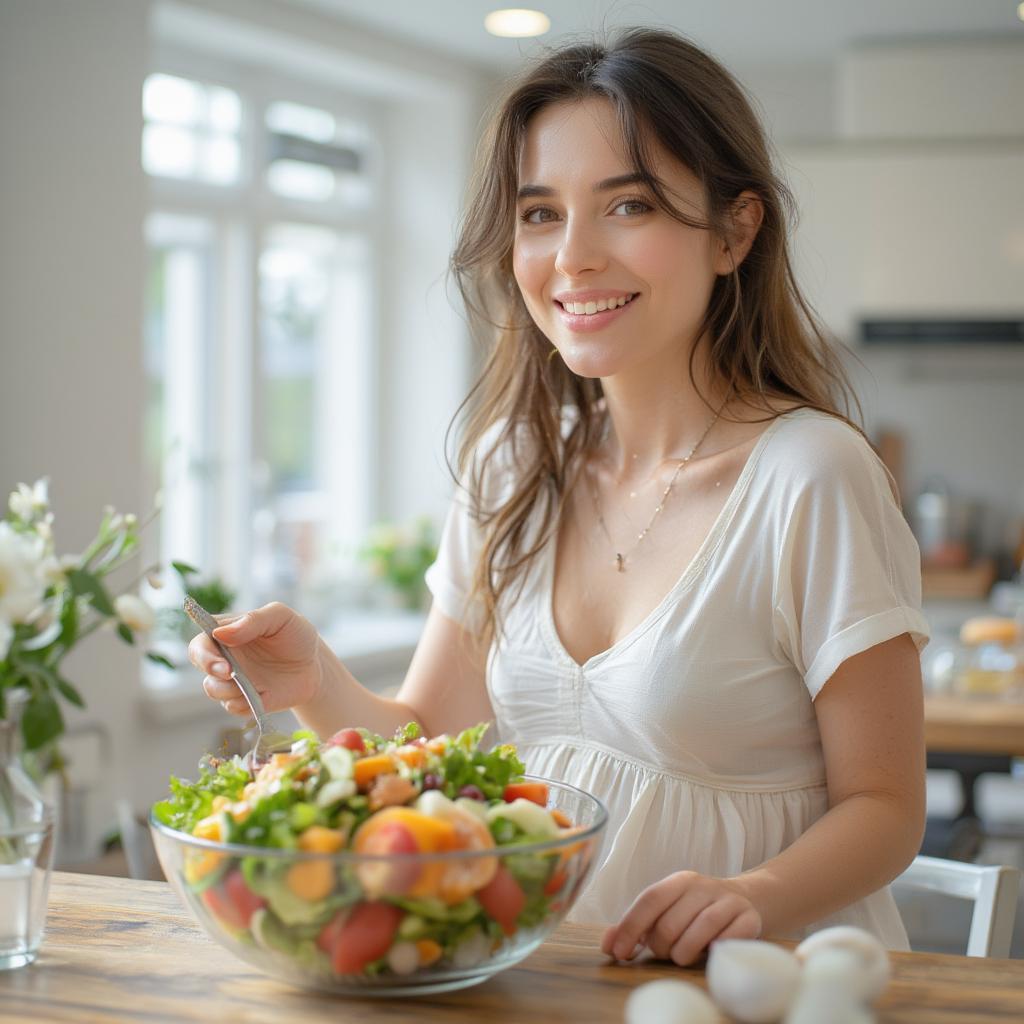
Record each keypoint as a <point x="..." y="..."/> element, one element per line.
<point x="531" y="191"/>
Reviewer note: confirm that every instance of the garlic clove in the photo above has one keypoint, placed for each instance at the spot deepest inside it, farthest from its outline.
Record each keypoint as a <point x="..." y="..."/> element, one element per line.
<point x="670" y="1002"/>
<point x="753" y="981"/>
<point x="867" y="965"/>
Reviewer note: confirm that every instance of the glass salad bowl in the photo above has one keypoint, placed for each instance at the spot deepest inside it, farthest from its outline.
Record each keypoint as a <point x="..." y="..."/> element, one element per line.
<point x="435" y="894"/>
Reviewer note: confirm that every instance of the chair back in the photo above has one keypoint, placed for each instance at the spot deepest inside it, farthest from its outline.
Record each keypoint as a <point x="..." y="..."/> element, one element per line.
<point x="992" y="889"/>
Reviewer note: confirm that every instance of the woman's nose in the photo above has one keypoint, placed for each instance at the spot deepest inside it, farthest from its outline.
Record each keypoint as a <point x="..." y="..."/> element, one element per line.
<point x="580" y="250"/>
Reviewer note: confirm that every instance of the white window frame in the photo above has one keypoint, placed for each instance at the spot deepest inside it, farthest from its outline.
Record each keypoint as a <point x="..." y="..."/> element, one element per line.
<point x="241" y="215"/>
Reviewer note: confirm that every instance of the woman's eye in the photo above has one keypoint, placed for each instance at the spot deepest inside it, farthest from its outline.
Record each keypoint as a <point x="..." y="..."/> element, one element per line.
<point x="538" y="215"/>
<point x="634" y="207"/>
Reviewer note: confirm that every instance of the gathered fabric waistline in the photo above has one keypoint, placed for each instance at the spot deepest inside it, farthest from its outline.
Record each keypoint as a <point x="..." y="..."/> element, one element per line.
<point x="617" y="755"/>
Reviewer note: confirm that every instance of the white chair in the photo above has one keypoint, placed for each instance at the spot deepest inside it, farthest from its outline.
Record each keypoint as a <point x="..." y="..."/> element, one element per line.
<point x="992" y="889"/>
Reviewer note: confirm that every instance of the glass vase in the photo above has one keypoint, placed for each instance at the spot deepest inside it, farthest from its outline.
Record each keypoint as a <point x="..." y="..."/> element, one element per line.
<point x="27" y="824"/>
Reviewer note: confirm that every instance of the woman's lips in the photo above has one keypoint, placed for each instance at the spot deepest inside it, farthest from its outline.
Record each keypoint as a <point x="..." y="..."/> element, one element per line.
<point x="583" y="322"/>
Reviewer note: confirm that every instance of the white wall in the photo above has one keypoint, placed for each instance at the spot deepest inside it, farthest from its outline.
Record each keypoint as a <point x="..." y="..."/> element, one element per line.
<point x="71" y="259"/>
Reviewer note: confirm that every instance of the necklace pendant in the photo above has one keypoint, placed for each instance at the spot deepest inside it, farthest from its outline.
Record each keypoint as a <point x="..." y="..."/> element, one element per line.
<point x="620" y="562"/>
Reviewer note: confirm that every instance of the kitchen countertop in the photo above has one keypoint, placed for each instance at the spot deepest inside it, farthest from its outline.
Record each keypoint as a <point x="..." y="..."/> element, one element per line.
<point x="119" y="949"/>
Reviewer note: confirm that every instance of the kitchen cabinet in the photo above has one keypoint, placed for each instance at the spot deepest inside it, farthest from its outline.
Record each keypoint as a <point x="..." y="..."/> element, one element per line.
<point x="922" y="229"/>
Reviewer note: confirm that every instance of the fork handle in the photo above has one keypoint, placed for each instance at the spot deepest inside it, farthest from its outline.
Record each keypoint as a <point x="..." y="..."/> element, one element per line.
<point x="207" y="623"/>
<point x="252" y="698"/>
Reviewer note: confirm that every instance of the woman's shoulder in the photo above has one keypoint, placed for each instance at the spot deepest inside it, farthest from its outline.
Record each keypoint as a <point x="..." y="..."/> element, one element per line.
<point x="809" y="448"/>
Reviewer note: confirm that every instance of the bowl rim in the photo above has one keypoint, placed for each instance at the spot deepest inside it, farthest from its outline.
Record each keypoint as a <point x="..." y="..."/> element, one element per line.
<point x="350" y="857"/>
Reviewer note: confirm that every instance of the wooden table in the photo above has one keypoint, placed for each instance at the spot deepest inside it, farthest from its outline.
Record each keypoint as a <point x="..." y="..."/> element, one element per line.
<point x="122" y="950"/>
<point x="962" y="725"/>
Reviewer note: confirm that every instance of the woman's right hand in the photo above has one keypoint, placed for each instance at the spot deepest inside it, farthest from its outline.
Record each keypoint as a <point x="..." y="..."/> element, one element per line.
<point x="278" y="649"/>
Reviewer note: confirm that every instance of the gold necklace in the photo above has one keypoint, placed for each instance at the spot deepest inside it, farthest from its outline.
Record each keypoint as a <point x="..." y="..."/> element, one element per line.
<point x="621" y="556"/>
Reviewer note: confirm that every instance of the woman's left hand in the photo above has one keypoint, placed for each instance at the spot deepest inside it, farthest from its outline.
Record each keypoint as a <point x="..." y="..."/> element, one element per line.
<point x="678" y="917"/>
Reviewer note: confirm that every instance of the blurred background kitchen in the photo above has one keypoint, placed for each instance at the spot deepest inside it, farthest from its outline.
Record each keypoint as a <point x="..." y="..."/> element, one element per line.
<point x="224" y="227"/>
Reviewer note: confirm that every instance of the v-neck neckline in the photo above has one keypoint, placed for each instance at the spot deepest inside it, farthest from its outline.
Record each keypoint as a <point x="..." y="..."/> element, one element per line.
<point x="693" y="568"/>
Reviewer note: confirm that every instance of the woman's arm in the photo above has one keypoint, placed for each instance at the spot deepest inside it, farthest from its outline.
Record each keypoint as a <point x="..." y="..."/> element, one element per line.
<point x="443" y="691"/>
<point x="871" y="717"/>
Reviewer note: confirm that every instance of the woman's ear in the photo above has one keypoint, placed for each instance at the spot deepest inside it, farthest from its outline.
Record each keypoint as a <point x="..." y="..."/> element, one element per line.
<point x="744" y="215"/>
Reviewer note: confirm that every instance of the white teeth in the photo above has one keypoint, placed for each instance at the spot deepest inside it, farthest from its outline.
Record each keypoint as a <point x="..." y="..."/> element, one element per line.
<point x="589" y="308"/>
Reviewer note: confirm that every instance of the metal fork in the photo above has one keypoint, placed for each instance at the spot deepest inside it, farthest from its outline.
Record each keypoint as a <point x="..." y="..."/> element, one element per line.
<point x="268" y="741"/>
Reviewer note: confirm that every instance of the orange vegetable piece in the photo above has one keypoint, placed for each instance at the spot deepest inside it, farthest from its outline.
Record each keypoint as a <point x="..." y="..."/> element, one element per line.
<point x="432" y="835"/>
<point x="311" y="880"/>
<point x="429" y="951"/>
<point x="561" y="820"/>
<point x="400" y="830"/>
<point x="461" y="878"/>
<point x="412" y="756"/>
<point x="536" y="792"/>
<point x="366" y="769"/>
<point x="200" y="863"/>
<point x="317" y="839"/>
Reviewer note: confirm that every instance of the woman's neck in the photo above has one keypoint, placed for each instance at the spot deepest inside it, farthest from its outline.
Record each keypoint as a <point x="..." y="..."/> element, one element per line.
<point x="654" y="419"/>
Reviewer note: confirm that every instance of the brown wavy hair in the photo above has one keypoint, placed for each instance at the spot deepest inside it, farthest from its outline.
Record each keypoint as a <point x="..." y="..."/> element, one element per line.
<point x="764" y="339"/>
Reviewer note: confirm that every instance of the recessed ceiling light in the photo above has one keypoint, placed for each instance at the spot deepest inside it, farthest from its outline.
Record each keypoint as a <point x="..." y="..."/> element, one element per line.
<point x="517" y="23"/>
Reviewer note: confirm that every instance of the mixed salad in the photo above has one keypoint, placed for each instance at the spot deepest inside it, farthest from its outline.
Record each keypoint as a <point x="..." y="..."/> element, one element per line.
<point x="363" y="793"/>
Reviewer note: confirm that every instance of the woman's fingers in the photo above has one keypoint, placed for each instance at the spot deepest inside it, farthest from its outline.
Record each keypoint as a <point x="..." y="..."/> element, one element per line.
<point x="254" y="625"/>
<point x="203" y="653"/>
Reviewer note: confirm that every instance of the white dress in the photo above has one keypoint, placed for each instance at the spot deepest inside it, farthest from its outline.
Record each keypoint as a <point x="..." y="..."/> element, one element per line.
<point x="697" y="729"/>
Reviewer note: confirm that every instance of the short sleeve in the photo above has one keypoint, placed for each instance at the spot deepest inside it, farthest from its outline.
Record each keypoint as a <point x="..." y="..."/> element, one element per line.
<point x="849" y="569"/>
<point x="450" y="578"/>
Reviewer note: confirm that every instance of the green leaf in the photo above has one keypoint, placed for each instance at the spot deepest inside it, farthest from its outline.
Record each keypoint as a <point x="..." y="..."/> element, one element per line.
<point x="41" y="722"/>
<point x="159" y="659"/>
<point x="85" y="584"/>
<point x="69" y="621"/>
<point x="69" y="692"/>
<point x="184" y="569"/>
<point x="125" y="633"/>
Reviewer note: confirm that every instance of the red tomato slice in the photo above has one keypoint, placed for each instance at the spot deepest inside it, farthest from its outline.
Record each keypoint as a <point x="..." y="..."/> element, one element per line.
<point x="348" y="738"/>
<point x="232" y="901"/>
<point x="328" y="937"/>
<point x="537" y="792"/>
<point x="365" y="936"/>
<point x="503" y="899"/>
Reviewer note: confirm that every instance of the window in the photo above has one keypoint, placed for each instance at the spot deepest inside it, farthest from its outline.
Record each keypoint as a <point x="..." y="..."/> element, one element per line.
<point x="192" y="130"/>
<point x="258" y="332"/>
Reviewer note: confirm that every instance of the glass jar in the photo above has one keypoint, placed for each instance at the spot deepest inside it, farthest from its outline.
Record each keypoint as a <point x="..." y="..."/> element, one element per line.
<point x="993" y="664"/>
<point x="26" y="844"/>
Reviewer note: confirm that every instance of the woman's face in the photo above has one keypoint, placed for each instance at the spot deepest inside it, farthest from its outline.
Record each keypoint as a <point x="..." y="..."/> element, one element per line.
<point x="588" y="239"/>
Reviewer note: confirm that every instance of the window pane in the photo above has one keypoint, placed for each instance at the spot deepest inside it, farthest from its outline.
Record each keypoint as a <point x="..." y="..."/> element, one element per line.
<point x="172" y="152"/>
<point x="192" y="130"/>
<point x="173" y="100"/>
<point x="225" y="110"/>
<point x="297" y="180"/>
<point x="312" y="405"/>
<point x="179" y="455"/>
<point x="220" y="160"/>
<point x="295" y="119"/>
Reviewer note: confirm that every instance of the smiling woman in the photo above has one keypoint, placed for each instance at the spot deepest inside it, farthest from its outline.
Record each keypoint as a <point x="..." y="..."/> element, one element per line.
<point x="676" y="574"/>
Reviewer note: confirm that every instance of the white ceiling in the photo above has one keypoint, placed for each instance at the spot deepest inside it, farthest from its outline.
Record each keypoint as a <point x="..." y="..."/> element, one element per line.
<point x="740" y="32"/>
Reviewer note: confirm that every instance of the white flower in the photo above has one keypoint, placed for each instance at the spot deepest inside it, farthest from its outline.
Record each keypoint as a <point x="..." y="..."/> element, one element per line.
<point x="6" y="636"/>
<point x="23" y="568"/>
<point x="26" y="501"/>
<point x="134" y="612"/>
